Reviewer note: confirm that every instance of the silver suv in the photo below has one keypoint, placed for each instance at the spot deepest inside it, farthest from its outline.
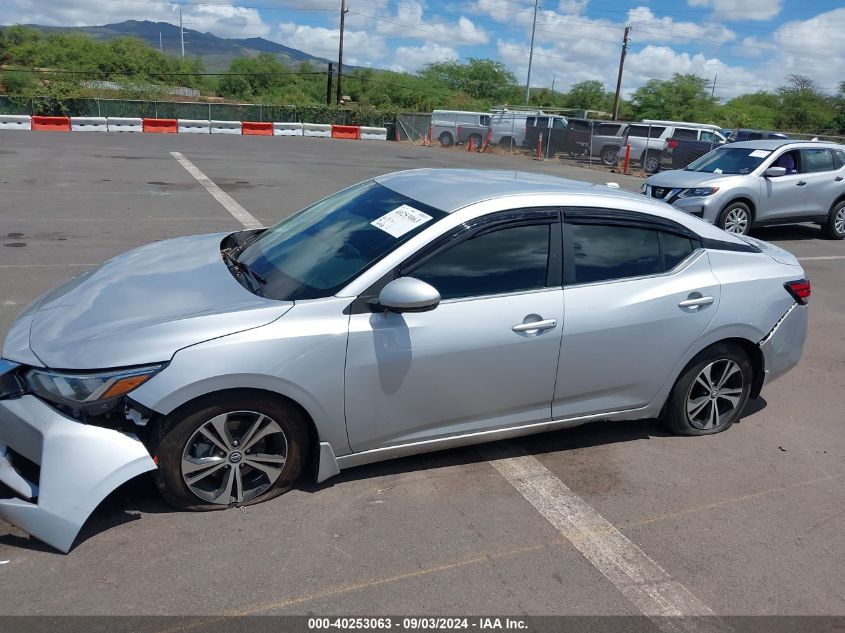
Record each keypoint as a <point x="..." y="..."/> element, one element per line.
<point x="743" y="185"/>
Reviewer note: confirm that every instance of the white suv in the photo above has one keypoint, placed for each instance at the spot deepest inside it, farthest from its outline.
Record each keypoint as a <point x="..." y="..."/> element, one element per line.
<point x="648" y="139"/>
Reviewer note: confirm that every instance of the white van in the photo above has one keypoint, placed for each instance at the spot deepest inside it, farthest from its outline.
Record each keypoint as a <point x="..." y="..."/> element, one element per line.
<point x="509" y="128"/>
<point x="457" y="126"/>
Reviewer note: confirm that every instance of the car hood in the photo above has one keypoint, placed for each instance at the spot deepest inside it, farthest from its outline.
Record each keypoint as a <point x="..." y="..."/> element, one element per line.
<point x="140" y="307"/>
<point x="680" y="179"/>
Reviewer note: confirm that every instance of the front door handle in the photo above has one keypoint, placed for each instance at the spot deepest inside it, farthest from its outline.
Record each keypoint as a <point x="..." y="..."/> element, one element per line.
<point x="535" y="326"/>
<point x="801" y="183"/>
<point x="838" y="179"/>
<point x="696" y="302"/>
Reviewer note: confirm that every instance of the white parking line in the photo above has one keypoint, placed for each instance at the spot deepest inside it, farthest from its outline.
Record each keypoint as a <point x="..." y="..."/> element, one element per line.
<point x="641" y="580"/>
<point x="238" y="212"/>
<point x="820" y="257"/>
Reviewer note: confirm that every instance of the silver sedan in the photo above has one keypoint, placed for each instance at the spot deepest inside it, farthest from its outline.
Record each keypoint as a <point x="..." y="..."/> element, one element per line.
<point x="409" y="313"/>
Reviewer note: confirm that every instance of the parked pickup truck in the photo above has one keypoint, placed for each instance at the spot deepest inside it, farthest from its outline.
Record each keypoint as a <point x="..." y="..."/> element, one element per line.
<point x="681" y="151"/>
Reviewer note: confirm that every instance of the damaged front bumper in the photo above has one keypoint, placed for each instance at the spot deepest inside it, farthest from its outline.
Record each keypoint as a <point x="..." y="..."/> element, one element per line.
<point x="58" y="470"/>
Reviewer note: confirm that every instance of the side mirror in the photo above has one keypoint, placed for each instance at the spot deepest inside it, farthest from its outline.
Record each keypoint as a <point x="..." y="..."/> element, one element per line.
<point x="408" y="294"/>
<point x="775" y="172"/>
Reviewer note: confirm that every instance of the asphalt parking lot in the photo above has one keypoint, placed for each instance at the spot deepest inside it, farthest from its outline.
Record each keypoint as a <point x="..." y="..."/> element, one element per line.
<point x="750" y="522"/>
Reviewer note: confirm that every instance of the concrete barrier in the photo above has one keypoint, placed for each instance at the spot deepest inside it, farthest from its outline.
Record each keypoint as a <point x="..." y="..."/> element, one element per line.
<point x="15" y="122"/>
<point x="256" y="128"/>
<point x="193" y="126"/>
<point x="88" y="124"/>
<point x="317" y="129"/>
<point x="124" y="124"/>
<point x="161" y="126"/>
<point x="374" y="133"/>
<point x="51" y="123"/>
<point x="287" y="129"/>
<point x="226" y="127"/>
<point x="351" y="132"/>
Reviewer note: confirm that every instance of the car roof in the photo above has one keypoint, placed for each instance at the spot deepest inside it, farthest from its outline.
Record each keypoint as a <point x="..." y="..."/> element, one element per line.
<point x="776" y="143"/>
<point x="452" y="189"/>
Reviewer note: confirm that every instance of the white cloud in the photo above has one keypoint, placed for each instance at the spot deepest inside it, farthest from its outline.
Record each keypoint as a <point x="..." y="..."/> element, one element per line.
<point x="359" y="47"/>
<point x="648" y="26"/>
<point x="409" y="22"/>
<point x="412" y="58"/>
<point x="739" y="10"/>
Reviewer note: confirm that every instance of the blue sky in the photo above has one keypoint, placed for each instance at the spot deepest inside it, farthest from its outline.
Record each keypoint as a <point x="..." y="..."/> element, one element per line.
<point x="747" y="45"/>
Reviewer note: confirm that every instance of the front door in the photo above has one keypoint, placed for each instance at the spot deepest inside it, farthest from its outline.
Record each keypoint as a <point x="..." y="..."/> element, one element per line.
<point x="783" y="197"/>
<point x="484" y="359"/>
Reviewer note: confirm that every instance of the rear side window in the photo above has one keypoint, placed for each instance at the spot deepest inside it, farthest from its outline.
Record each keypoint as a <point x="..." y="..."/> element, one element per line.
<point x="607" y="130"/>
<point x="645" y="131"/>
<point x="686" y="133"/>
<point x="485" y="121"/>
<point x="508" y="260"/>
<point x="607" y="252"/>
<point x="579" y="125"/>
<point x="814" y="160"/>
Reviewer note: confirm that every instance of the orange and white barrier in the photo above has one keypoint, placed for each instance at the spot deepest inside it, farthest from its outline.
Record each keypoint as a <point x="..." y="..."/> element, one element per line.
<point x="124" y="124"/>
<point x="161" y="126"/>
<point x="323" y="130"/>
<point x="193" y="126"/>
<point x="351" y="132"/>
<point x="226" y="127"/>
<point x="88" y="124"/>
<point x="15" y="122"/>
<point x="287" y="129"/>
<point x="51" y="123"/>
<point x="256" y="128"/>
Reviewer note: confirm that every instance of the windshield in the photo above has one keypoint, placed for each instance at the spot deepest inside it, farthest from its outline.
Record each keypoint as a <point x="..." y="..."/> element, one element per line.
<point x="319" y="250"/>
<point x="729" y="160"/>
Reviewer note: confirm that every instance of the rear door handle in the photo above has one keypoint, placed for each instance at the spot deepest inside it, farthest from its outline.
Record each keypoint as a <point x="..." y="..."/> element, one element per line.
<point x="696" y="303"/>
<point x="801" y="183"/>
<point x="535" y="326"/>
<point x="838" y="179"/>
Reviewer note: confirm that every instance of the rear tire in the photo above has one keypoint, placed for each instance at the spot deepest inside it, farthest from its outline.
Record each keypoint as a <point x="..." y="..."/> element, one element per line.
<point x="711" y="392"/>
<point x="446" y="139"/>
<point x="834" y="227"/>
<point x="475" y="139"/>
<point x="229" y="450"/>
<point x="610" y="156"/>
<point x="735" y="218"/>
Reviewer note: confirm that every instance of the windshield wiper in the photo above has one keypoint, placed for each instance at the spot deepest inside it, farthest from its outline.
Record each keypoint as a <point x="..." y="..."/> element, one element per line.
<point x="243" y="270"/>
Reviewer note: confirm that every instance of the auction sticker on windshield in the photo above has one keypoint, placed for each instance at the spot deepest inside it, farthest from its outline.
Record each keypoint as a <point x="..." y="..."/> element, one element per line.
<point x="759" y="153"/>
<point x="401" y="220"/>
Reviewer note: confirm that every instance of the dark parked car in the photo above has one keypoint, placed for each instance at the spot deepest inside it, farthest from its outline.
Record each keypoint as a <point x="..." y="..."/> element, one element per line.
<point x="743" y="135"/>
<point x="681" y="150"/>
<point x="560" y="134"/>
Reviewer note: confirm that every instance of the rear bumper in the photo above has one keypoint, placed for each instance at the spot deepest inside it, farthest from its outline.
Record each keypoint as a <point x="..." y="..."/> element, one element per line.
<point x="783" y="346"/>
<point x="79" y="465"/>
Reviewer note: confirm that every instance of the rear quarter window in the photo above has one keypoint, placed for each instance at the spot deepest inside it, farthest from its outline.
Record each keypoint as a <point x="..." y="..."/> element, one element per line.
<point x="645" y="131"/>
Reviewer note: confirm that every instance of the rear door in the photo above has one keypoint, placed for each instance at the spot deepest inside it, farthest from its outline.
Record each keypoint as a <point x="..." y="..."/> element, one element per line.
<point x="821" y="176"/>
<point x="637" y="296"/>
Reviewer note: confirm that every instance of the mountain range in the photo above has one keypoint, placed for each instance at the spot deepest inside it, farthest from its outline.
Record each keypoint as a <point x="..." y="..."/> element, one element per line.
<point x="216" y="52"/>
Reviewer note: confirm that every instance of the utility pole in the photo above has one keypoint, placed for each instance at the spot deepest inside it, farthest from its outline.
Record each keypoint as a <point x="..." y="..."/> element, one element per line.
<point x="160" y="48"/>
<point x="340" y="52"/>
<point x="531" y="53"/>
<point x="181" y="34"/>
<point x="329" y="85"/>
<point x="713" y="90"/>
<point x="621" y="66"/>
<point x="554" y="77"/>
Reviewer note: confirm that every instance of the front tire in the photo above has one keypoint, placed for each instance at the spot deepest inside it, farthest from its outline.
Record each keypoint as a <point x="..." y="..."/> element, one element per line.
<point x="735" y="218"/>
<point x="834" y="227"/>
<point x="610" y="156"/>
<point x="711" y="393"/>
<point x="446" y="139"/>
<point x="651" y="161"/>
<point x="229" y="450"/>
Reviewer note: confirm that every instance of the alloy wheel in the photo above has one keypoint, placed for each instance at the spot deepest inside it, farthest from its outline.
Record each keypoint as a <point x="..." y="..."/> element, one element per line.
<point x="234" y="457"/>
<point x="736" y="221"/>
<point x="714" y="395"/>
<point x="839" y="221"/>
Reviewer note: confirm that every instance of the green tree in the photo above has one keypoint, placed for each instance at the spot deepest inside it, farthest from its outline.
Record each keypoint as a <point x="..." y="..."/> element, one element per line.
<point x="480" y="79"/>
<point x="804" y="107"/>
<point x="682" y="98"/>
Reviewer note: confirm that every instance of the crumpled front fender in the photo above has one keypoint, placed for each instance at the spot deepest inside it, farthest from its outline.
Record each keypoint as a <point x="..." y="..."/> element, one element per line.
<point x="79" y="464"/>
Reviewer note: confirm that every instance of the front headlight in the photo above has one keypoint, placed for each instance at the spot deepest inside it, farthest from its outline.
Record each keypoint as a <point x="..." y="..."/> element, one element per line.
<point x="699" y="192"/>
<point x="84" y="388"/>
<point x="644" y="188"/>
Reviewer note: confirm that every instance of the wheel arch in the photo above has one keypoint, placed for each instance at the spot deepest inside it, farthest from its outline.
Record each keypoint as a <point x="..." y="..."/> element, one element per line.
<point x="746" y="200"/>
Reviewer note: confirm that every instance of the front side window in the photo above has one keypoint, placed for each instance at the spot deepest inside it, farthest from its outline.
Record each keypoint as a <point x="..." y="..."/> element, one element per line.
<point x="510" y="259"/>
<point x="319" y="250"/>
<point x="838" y="158"/>
<point x="815" y="160"/>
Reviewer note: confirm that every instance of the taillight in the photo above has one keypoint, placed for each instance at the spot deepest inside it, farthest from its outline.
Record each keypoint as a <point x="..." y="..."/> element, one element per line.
<point x="672" y="143"/>
<point x="799" y="290"/>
